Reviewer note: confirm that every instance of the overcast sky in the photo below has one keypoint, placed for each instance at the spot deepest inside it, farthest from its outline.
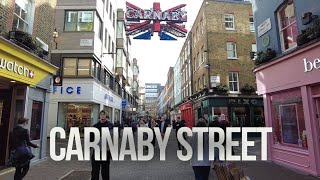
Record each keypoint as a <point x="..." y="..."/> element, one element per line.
<point x="155" y="56"/>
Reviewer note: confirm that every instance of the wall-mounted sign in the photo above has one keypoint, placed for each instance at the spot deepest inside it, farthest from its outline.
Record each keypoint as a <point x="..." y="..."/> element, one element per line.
<point x="86" y="42"/>
<point x="57" y="80"/>
<point x="68" y="90"/>
<point x="309" y="65"/>
<point x="14" y="67"/>
<point x="241" y="101"/>
<point x="215" y="80"/>
<point x="175" y="17"/>
<point x="264" y="27"/>
<point x="108" y="97"/>
<point x="265" y="40"/>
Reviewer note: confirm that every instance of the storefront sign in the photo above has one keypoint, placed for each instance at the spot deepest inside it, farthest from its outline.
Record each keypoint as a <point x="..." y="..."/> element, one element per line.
<point x="68" y="90"/>
<point x="264" y="27"/>
<point x="309" y="65"/>
<point x="241" y="101"/>
<point x="108" y="97"/>
<point x="14" y="67"/>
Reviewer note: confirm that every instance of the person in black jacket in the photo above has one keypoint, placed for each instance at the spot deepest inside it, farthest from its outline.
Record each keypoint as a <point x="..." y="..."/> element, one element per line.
<point x="20" y="137"/>
<point x="104" y="165"/>
<point x="163" y="126"/>
<point x="179" y="124"/>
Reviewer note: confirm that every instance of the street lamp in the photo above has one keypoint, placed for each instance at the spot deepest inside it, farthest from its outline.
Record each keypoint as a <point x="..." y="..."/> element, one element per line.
<point x="55" y="35"/>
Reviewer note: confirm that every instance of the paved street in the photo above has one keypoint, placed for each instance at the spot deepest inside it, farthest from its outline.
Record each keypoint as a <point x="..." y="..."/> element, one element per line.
<point x="172" y="168"/>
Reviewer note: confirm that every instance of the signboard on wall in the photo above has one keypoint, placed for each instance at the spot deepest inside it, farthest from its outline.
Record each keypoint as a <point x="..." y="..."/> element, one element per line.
<point x="214" y="80"/>
<point x="86" y="42"/>
<point x="264" y="27"/>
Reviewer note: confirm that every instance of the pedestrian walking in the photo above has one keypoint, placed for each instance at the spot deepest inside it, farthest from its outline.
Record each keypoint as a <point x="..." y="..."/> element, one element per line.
<point x="103" y="165"/>
<point x="179" y="124"/>
<point x="163" y="126"/>
<point x="201" y="168"/>
<point x="21" y="152"/>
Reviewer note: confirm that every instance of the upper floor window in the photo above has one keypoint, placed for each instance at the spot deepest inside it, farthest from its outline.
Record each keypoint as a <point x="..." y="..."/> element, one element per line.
<point x="106" y="38"/>
<point x="254" y="50"/>
<point x="229" y="21"/>
<point x="232" y="50"/>
<point x="107" y="5"/>
<point x="251" y="24"/>
<point x="233" y="82"/>
<point x="110" y="13"/>
<point x="22" y="19"/>
<point x="79" y="21"/>
<point x="288" y="26"/>
<point x="76" y="67"/>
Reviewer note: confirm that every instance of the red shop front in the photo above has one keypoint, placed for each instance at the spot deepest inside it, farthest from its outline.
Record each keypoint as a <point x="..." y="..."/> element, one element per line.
<point x="187" y="113"/>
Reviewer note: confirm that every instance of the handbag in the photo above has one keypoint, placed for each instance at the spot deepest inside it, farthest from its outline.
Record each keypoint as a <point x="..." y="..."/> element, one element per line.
<point x="24" y="152"/>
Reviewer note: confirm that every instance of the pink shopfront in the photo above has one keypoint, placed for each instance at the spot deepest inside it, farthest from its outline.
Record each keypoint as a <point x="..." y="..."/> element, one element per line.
<point x="290" y="86"/>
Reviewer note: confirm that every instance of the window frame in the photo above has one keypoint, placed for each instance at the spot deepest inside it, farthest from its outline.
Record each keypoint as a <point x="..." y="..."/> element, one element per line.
<point x="234" y="50"/>
<point x="252" y="28"/>
<point x="281" y="29"/>
<point x="76" y="10"/>
<point x="233" y="81"/>
<point x="233" y="22"/>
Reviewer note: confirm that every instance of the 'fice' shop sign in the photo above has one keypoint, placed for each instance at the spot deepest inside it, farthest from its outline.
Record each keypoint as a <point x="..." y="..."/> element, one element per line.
<point x="14" y="67"/>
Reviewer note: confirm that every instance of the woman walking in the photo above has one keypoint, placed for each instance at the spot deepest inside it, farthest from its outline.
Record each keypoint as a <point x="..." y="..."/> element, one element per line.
<point x="21" y="149"/>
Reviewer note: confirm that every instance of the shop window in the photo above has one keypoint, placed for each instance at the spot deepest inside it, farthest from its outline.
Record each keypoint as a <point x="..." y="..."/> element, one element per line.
<point x="79" y="21"/>
<point x="78" y="115"/>
<point x="220" y="112"/>
<point x="229" y="21"/>
<point x="288" y="26"/>
<point x="36" y="120"/>
<point x="108" y="111"/>
<point x="288" y="119"/>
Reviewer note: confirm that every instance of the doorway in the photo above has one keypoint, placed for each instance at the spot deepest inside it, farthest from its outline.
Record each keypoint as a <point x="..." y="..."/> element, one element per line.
<point x="5" y="108"/>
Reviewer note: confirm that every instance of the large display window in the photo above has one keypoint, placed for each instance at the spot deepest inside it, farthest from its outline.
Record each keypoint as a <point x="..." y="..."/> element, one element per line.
<point x="288" y="119"/>
<point x="78" y="115"/>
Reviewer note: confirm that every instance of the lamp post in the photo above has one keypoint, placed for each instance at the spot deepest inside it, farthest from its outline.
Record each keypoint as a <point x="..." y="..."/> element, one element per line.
<point x="55" y="35"/>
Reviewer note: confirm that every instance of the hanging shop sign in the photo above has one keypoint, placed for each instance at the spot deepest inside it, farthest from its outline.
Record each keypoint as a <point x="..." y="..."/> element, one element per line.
<point x="174" y="18"/>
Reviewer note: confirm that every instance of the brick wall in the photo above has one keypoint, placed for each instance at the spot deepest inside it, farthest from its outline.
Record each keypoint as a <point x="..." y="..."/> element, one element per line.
<point x="6" y="16"/>
<point x="216" y="36"/>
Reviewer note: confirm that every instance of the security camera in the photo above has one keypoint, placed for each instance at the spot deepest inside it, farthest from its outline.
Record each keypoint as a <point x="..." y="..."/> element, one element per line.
<point x="207" y="66"/>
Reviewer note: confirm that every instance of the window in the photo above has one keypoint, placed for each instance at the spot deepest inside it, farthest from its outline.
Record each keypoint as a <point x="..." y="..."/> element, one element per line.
<point x="22" y="16"/>
<point x="107" y="5"/>
<point x="233" y="82"/>
<point x="204" y="80"/>
<point x="110" y="14"/>
<point x="231" y="50"/>
<point x="70" y="66"/>
<point x="254" y="50"/>
<point x="109" y="44"/>
<point x="80" y="67"/>
<point x="79" y="21"/>
<point x="114" y="19"/>
<point x="195" y="86"/>
<point x="198" y="60"/>
<point x="84" y="67"/>
<point x="105" y="39"/>
<point x="229" y="21"/>
<point x="199" y="84"/>
<point x="202" y="54"/>
<point x="202" y="25"/>
<point x="194" y="64"/>
<point x="112" y="50"/>
<point x="36" y="120"/>
<point x="251" y="24"/>
<point x="98" y="29"/>
<point x="288" y="119"/>
<point x="288" y="26"/>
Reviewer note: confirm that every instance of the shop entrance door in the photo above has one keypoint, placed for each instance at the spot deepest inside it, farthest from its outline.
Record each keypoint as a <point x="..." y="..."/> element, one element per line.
<point x="5" y="107"/>
<point x="318" y="110"/>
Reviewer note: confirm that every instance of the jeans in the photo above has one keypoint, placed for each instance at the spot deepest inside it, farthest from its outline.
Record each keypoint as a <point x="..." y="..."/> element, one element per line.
<point x="201" y="172"/>
<point x="105" y="168"/>
<point x="21" y="171"/>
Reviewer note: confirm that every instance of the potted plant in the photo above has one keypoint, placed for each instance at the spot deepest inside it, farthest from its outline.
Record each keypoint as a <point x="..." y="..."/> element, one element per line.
<point x="247" y="89"/>
<point x="305" y="36"/>
<point x="266" y="56"/>
<point x="221" y="89"/>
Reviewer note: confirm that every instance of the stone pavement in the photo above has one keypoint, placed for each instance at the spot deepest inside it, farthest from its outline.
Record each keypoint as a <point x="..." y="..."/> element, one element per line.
<point x="172" y="168"/>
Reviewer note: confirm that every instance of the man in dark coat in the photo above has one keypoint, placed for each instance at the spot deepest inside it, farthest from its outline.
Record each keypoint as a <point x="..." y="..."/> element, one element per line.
<point x="179" y="124"/>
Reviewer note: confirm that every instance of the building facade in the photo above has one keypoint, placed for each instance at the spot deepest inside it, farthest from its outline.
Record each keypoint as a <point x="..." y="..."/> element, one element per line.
<point x="152" y="92"/>
<point x="223" y="81"/>
<point x="289" y="80"/>
<point x="25" y="70"/>
<point x="92" y="52"/>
